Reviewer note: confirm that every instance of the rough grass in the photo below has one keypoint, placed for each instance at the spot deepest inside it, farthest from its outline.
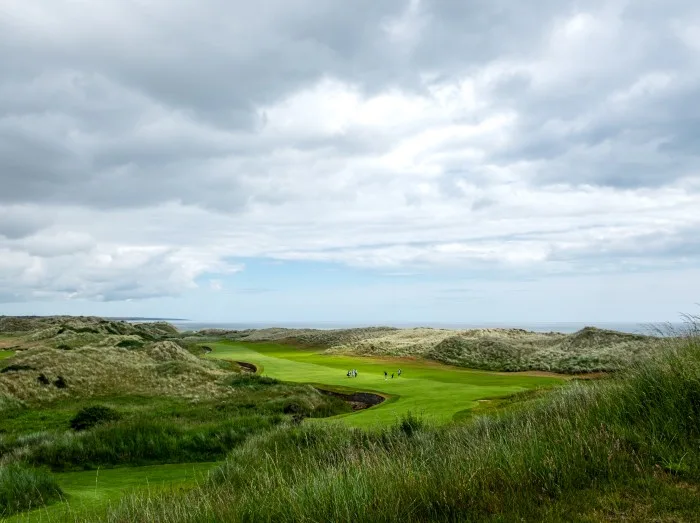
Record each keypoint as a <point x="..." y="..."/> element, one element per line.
<point x="75" y="357"/>
<point x="637" y="435"/>
<point x="588" y="350"/>
<point x="161" y="368"/>
<point x="145" y="442"/>
<point x="143" y="429"/>
<point x="50" y="326"/>
<point x="23" y="488"/>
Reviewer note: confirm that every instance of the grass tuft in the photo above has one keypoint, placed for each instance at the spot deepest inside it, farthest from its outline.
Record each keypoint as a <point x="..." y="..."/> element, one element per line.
<point x="23" y="488"/>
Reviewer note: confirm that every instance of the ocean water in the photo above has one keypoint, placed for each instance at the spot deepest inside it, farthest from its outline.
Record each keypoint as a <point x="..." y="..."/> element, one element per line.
<point x="565" y="327"/>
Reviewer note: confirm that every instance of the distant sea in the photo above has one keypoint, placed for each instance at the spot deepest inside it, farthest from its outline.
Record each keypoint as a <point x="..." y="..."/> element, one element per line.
<point x="565" y="327"/>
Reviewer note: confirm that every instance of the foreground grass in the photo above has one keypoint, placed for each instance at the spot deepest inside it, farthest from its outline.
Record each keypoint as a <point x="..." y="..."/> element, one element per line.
<point x="89" y="490"/>
<point x="22" y="488"/>
<point x="155" y="430"/>
<point x="626" y="448"/>
<point x="436" y="392"/>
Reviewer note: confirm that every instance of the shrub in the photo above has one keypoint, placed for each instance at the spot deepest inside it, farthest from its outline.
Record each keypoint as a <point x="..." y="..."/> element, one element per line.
<point x="245" y="379"/>
<point x="16" y="368"/>
<point x="89" y="417"/>
<point x="60" y="382"/>
<point x="409" y="423"/>
<point x="130" y="344"/>
<point x="22" y="488"/>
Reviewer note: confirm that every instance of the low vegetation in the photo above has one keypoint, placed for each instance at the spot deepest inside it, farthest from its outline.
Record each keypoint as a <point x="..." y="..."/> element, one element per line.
<point x="89" y="417"/>
<point x="132" y="396"/>
<point x="623" y="448"/>
<point x="23" y="488"/>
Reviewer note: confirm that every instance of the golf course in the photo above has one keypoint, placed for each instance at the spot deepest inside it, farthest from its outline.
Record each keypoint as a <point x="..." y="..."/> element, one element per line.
<point x="108" y="420"/>
<point x="431" y="390"/>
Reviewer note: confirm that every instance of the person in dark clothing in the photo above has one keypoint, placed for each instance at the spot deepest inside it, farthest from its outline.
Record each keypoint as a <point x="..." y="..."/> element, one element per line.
<point x="385" y="374"/>
<point x="392" y="375"/>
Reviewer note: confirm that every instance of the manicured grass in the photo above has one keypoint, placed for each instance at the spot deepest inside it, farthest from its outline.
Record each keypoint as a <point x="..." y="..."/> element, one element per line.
<point x="434" y="391"/>
<point x="4" y="354"/>
<point x="97" y="488"/>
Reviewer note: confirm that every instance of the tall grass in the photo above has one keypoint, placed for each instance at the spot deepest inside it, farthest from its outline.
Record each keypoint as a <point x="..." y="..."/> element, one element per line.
<point x="24" y="488"/>
<point x="146" y="441"/>
<point x="622" y="431"/>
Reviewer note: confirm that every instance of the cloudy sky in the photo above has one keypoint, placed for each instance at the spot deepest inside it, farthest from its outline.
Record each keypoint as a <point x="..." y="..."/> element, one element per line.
<point x="365" y="161"/>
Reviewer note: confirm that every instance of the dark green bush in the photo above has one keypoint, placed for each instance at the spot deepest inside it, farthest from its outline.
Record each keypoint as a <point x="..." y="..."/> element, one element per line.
<point x="409" y="423"/>
<point x="130" y="344"/>
<point x="89" y="417"/>
<point x="16" y="368"/>
<point x="245" y="379"/>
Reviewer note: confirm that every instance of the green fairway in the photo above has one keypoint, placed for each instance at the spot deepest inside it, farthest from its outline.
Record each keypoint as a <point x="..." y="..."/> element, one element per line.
<point x="432" y="390"/>
<point x="6" y="354"/>
<point x="95" y="488"/>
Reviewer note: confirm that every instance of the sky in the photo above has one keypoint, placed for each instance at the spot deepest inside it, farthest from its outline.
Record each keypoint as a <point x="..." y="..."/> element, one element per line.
<point x="364" y="161"/>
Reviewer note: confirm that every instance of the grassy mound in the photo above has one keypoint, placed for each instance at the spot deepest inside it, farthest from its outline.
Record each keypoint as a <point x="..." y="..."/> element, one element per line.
<point x="50" y="326"/>
<point x="23" y="488"/>
<point x="588" y="350"/>
<point x="311" y="337"/>
<point x="161" y="368"/>
<point x="634" y="437"/>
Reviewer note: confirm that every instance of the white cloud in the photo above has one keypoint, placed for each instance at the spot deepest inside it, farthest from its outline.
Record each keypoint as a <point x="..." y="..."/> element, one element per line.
<point x="138" y="170"/>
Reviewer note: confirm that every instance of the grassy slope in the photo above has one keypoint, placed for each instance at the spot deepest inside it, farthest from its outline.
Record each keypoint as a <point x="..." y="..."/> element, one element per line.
<point x="93" y="489"/>
<point x="431" y="390"/>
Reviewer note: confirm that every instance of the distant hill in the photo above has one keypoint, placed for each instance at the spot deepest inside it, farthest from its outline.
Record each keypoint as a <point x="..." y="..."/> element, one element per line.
<point x="588" y="350"/>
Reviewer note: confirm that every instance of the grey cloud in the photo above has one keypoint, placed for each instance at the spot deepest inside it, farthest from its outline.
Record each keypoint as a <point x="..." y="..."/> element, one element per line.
<point x="97" y="83"/>
<point x="130" y="106"/>
<point x="17" y="223"/>
<point x="217" y="63"/>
